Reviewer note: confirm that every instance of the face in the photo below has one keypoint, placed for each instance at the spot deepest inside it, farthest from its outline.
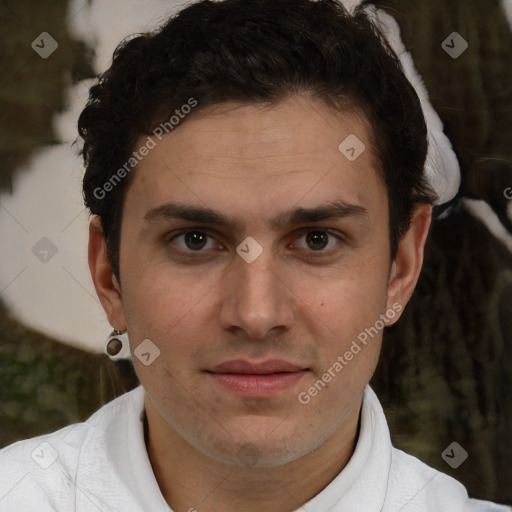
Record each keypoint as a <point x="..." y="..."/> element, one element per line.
<point x="253" y="255"/>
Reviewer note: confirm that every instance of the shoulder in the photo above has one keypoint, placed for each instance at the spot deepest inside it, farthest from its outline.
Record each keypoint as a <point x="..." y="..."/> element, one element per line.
<point x="43" y="466"/>
<point x="63" y="446"/>
<point x="409" y="484"/>
<point x="414" y="486"/>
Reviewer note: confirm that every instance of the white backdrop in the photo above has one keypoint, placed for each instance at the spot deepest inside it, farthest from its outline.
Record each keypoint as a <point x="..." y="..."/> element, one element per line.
<point x="47" y="290"/>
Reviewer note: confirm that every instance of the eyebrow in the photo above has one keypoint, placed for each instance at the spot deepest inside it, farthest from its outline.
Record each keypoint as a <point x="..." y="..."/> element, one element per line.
<point x="203" y="215"/>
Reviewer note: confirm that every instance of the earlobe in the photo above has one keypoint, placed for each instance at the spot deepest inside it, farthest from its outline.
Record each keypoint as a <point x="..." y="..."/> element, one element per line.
<point x="407" y="265"/>
<point x="105" y="283"/>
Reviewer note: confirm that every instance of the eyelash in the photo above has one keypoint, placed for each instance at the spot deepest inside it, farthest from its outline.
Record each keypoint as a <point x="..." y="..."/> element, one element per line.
<point x="314" y="254"/>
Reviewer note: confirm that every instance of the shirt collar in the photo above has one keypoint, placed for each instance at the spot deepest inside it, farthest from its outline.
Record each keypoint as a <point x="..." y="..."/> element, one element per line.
<point x="361" y="485"/>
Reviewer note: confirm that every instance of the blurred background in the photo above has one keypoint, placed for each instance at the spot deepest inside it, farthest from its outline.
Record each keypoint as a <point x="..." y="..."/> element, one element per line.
<point x="446" y="368"/>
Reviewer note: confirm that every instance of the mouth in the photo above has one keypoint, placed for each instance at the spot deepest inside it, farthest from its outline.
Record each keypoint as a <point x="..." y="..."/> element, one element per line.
<point x="256" y="380"/>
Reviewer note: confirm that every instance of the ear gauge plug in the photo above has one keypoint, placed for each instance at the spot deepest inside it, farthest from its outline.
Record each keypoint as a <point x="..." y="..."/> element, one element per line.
<point x="117" y="345"/>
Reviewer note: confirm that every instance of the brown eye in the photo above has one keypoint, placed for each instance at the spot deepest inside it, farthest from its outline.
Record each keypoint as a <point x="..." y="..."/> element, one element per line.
<point x="195" y="240"/>
<point x="317" y="240"/>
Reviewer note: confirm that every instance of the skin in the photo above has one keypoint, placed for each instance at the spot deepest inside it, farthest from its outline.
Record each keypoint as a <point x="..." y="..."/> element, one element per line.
<point x="212" y="449"/>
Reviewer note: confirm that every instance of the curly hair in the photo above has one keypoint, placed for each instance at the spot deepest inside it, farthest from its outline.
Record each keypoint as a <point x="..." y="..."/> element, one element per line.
<point x="254" y="51"/>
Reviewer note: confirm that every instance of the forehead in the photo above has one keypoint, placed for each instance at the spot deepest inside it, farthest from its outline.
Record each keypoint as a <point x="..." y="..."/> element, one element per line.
<point x="296" y="127"/>
<point x="236" y="155"/>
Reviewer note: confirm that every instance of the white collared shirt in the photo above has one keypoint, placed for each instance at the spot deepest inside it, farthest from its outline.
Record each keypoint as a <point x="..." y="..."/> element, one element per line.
<point x="102" y="465"/>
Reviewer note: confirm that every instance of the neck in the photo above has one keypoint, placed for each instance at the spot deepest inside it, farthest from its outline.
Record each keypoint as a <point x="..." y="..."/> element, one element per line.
<point x="192" y="481"/>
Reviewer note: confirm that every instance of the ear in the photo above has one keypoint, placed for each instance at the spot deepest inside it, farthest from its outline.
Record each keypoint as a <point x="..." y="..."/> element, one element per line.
<point x="107" y="287"/>
<point x="406" y="267"/>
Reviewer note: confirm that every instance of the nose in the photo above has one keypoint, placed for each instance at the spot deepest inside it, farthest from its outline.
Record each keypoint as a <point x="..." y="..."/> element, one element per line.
<point x="256" y="299"/>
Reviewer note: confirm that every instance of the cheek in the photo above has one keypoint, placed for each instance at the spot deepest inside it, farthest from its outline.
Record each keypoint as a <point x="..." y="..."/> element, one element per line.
<point x="343" y="316"/>
<point x="349" y="342"/>
<point x="158" y="298"/>
<point x="344" y="304"/>
<point x="154" y="309"/>
<point x="175" y="311"/>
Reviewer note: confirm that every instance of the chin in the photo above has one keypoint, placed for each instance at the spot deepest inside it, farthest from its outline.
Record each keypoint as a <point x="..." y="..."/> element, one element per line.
<point x="261" y="452"/>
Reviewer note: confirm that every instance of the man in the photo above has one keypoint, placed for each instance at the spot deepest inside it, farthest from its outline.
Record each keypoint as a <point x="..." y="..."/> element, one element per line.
<point x="256" y="174"/>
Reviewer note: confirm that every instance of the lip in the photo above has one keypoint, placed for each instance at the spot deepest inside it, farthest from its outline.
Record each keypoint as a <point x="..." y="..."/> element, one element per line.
<point x="256" y="380"/>
<point x="241" y="366"/>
